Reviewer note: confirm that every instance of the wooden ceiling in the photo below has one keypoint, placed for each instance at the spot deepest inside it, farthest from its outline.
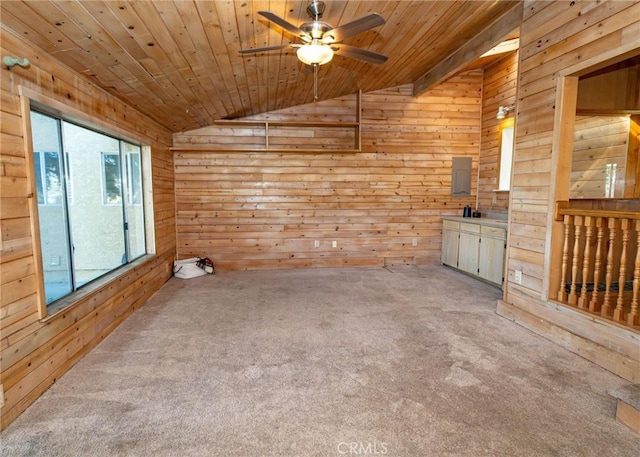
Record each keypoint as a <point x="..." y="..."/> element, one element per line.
<point x="178" y="61"/>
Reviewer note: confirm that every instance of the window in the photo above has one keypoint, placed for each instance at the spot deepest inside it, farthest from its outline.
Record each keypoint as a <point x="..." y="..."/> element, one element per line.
<point x="506" y="157"/>
<point x="101" y="231"/>
<point x="134" y="175"/>
<point x="610" y="180"/>
<point x="48" y="177"/>
<point x="111" y="186"/>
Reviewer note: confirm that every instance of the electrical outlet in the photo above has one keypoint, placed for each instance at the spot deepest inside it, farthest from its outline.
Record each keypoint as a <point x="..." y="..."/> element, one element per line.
<point x="415" y="242"/>
<point x="334" y="244"/>
<point x="316" y="243"/>
<point x="494" y="200"/>
<point x="517" y="276"/>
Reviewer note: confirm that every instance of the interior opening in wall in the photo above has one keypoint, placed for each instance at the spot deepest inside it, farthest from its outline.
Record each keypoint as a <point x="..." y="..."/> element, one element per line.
<point x="604" y="161"/>
<point x="593" y="255"/>
<point x="90" y="203"/>
<point x="461" y="176"/>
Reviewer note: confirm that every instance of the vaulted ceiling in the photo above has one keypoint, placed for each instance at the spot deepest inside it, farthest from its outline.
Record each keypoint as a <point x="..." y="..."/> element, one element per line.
<point x="178" y="61"/>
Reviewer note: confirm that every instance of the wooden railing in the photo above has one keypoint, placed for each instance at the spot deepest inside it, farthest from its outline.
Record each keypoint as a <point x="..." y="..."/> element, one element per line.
<point x="600" y="270"/>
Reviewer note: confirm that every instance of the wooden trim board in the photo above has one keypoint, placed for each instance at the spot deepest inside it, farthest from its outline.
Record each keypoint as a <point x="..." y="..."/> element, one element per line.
<point x="611" y="360"/>
<point x="628" y="415"/>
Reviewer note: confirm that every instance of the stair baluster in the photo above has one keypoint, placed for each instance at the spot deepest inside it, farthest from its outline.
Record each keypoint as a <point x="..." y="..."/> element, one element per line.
<point x="633" y="318"/>
<point x="606" y="306"/>
<point x="562" y="294"/>
<point x="583" y="302"/>
<point x="575" y="259"/>
<point x="594" y="304"/>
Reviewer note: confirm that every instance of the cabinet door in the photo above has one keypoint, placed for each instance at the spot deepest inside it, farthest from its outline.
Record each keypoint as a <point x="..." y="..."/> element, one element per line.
<point x="449" y="255"/>
<point x="491" y="265"/>
<point x="468" y="252"/>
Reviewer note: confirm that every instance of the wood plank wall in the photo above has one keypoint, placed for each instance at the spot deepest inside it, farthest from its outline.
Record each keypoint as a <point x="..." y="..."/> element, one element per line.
<point x="34" y="353"/>
<point x="250" y="136"/>
<point x="498" y="89"/>
<point x="556" y="36"/>
<point x="599" y="141"/>
<point x="249" y="210"/>
<point x="616" y="90"/>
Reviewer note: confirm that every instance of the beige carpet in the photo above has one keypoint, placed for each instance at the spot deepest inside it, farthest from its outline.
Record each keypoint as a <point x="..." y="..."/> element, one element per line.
<point x="331" y="362"/>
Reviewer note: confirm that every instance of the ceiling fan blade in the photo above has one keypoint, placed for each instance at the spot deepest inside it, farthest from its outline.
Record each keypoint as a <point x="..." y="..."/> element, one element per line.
<point x="359" y="53"/>
<point x="265" y="48"/>
<point x="288" y="26"/>
<point x="355" y="27"/>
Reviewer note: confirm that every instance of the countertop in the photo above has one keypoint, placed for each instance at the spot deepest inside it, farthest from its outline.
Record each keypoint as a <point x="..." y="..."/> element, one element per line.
<point x="501" y="223"/>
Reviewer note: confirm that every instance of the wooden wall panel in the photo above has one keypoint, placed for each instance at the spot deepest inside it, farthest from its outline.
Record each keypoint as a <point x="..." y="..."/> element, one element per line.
<point x="36" y="352"/>
<point x="556" y="37"/>
<point x="616" y="90"/>
<point x="383" y="205"/>
<point x="498" y="89"/>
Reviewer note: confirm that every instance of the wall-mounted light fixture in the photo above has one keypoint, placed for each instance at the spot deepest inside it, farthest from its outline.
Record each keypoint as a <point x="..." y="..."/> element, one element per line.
<point x="504" y="110"/>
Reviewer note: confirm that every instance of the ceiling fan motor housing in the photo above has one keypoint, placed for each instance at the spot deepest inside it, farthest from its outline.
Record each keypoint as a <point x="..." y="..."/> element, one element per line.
<point x="315" y="29"/>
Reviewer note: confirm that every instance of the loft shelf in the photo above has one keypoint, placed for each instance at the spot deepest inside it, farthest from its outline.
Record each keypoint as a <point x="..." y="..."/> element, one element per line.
<point x="232" y="122"/>
<point x="266" y="124"/>
<point x="258" y="151"/>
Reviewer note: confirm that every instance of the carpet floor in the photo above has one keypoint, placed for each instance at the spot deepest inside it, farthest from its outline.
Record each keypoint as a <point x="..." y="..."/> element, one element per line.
<point x="401" y="362"/>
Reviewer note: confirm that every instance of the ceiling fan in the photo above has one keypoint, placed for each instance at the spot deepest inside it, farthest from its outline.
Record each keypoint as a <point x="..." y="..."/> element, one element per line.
<point x="320" y="40"/>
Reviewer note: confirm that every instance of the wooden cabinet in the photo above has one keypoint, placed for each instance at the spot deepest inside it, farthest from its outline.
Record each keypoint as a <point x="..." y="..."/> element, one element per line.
<point x="450" y="235"/>
<point x="475" y="247"/>
<point x="493" y="243"/>
<point x="468" y="248"/>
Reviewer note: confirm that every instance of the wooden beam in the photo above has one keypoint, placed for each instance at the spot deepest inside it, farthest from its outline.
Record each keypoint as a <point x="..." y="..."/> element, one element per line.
<point x="471" y="50"/>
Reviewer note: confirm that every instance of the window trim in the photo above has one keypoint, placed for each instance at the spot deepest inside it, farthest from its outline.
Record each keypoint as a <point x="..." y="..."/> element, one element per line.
<point x="30" y="98"/>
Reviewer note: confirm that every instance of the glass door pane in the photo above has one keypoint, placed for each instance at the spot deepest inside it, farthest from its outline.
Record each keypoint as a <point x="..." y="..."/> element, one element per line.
<point x="54" y="239"/>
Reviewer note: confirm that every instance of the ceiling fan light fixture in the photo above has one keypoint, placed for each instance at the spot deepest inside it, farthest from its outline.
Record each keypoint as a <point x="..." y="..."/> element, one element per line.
<point x="320" y="40"/>
<point x="315" y="53"/>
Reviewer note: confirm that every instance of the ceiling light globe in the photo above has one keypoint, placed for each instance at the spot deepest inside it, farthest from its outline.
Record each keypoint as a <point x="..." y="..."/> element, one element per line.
<point x="315" y="53"/>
